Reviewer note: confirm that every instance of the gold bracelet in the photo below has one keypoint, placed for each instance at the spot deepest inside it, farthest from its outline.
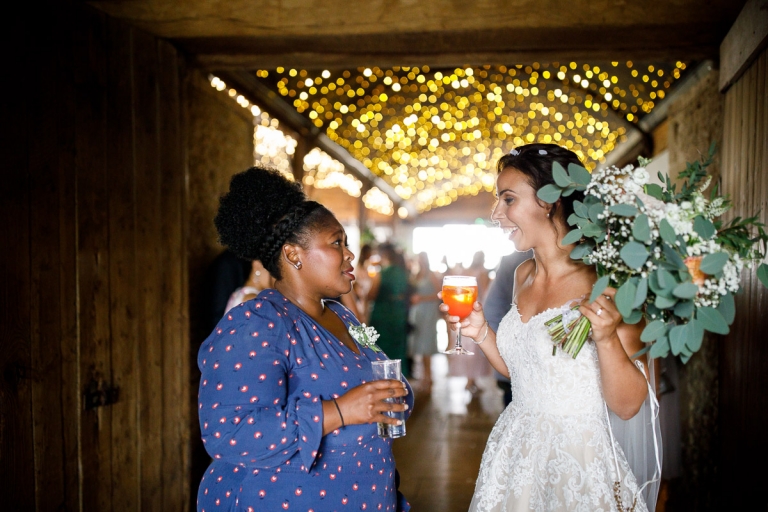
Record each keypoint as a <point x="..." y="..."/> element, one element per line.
<point x="484" y="335"/>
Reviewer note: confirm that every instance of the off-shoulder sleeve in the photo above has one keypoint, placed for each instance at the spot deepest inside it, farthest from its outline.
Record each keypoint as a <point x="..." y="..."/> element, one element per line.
<point x="247" y="416"/>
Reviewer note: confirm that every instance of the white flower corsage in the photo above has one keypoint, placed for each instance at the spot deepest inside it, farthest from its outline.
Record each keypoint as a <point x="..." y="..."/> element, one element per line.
<point x="365" y="336"/>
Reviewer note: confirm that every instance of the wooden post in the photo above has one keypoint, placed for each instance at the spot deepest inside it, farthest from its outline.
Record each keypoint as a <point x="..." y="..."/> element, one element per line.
<point x="297" y="164"/>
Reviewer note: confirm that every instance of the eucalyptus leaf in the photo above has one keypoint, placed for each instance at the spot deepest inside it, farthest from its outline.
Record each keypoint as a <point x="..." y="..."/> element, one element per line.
<point x="762" y="274"/>
<point x="572" y="237"/>
<point x="599" y="287"/>
<point x="666" y="280"/>
<point x="684" y="309"/>
<point x="653" y="284"/>
<point x="634" y="255"/>
<point x="713" y="263"/>
<point x="654" y="191"/>
<point x="660" y="348"/>
<point x="568" y="191"/>
<point x="685" y="358"/>
<point x="642" y="293"/>
<point x="573" y="219"/>
<point x="667" y="232"/>
<point x="673" y="256"/>
<point x="695" y="335"/>
<point x="685" y="291"/>
<point x="580" y="209"/>
<point x="712" y="320"/>
<point x="663" y="302"/>
<point x="580" y="251"/>
<point x="727" y="307"/>
<point x="640" y="352"/>
<point x="703" y="227"/>
<point x="625" y="210"/>
<point x="653" y="331"/>
<point x="549" y="193"/>
<point x="625" y="297"/>
<point x="594" y="211"/>
<point x="633" y="318"/>
<point x="592" y="230"/>
<point x="579" y="174"/>
<point x="677" y="338"/>
<point x="590" y="200"/>
<point x="560" y="176"/>
<point x="641" y="229"/>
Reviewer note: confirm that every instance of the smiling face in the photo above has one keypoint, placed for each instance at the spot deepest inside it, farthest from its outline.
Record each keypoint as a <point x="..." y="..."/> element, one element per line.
<point x="327" y="261"/>
<point x="519" y="213"/>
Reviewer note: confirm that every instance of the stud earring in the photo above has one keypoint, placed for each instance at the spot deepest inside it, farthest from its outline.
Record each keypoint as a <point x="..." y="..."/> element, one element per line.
<point x="296" y="265"/>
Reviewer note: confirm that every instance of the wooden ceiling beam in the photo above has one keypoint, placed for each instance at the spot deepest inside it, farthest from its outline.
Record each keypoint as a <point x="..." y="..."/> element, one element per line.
<point x="458" y="48"/>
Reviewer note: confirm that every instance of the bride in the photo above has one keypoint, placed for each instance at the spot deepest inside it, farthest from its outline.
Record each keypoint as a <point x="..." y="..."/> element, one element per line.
<point x="552" y="448"/>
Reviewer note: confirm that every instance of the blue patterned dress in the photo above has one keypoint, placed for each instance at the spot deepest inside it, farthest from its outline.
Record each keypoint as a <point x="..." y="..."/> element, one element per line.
<point x="265" y="369"/>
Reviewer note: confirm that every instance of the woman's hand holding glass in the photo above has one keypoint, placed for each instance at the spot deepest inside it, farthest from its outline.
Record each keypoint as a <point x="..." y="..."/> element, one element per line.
<point x="471" y="326"/>
<point x="365" y="403"/>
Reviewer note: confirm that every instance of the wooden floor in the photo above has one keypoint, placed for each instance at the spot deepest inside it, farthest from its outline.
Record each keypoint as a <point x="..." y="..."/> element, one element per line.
<point x="439" y="458"/>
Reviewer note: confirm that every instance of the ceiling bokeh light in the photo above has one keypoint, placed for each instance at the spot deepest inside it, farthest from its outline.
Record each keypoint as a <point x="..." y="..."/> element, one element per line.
<point x="435" y="134"/>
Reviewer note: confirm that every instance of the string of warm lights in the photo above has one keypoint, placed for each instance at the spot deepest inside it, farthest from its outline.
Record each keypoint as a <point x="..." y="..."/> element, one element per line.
<point x="434" y="135"/>
<point x="275" y="148"/>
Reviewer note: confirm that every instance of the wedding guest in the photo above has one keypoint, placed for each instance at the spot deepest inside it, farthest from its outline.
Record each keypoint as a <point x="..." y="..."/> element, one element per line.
<point x="259" y="279"/>
<point x="225" y="274"/>
<point x="287" y="403"/>
<point x="363" y="282"/>
<point x="423" y="316"/>
<point x="389" y="294"/>
<point x="498" y="302"/>
<point x="553" y="447"/>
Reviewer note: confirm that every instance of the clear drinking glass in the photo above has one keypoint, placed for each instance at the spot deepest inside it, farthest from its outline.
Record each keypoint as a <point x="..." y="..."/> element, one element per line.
<point x="390" y="369"/>
<point x="459" y="293"/>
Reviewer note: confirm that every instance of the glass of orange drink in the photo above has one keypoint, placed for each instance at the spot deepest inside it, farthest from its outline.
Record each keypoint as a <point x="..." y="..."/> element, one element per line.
<point x="460" y="294"/>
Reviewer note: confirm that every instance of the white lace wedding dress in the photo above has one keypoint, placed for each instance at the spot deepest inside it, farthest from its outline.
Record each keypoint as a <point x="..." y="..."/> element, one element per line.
<point x="551" y="448"/>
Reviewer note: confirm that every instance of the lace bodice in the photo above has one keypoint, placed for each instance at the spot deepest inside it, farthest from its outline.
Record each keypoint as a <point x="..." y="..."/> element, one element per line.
<point x="542" y="382"/>
<point x="550" y="449"/>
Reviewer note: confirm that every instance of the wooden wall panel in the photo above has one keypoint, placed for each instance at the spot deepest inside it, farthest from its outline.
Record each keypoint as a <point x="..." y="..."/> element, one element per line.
<point x="17" y="472"/>
<point x="123" y="272"/>
<point x="175" y="321"/>
<point x="743" y="379"/>
<point x="93" y="251"/>
<point x="149" y="279"/>
<point x="64" y="159"/>
<point x="94" y="281"/>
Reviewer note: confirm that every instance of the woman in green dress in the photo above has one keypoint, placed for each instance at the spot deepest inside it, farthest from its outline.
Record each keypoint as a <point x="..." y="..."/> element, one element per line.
<point x="389" y="294"/>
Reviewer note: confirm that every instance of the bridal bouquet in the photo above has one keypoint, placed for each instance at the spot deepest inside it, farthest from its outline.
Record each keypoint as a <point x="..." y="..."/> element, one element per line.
<point x="672" y="259"/>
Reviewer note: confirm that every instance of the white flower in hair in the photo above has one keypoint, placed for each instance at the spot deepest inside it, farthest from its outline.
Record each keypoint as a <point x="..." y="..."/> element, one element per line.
<point x="542" y="151"/>
<point x="365" y="336"/>
<point x="514" y="152"/>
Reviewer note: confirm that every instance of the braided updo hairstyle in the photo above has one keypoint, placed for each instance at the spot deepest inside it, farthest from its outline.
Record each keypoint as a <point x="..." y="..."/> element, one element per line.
<point x="263" y="211"/>
<point x="535" y="162"/>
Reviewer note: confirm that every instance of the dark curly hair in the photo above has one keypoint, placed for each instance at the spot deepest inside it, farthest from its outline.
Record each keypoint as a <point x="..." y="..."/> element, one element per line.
<point x="535" y="162"/>
<point x="263" y="211"/>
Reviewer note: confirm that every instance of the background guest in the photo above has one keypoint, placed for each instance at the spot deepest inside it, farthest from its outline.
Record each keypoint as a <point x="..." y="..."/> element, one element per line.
<point x="423" y="317"/>
<point x="258" y="280"/>
<point x="498" y="302"/>
<point x="389" y="294"/>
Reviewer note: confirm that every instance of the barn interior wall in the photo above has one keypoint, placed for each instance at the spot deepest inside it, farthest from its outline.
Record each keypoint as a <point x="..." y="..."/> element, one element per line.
<point x="743" y="352"/>
<point x="94" y="305"/>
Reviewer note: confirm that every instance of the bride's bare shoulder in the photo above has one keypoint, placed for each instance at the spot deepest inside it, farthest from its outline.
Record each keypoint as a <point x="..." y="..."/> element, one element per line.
<point x="524" y="272"/>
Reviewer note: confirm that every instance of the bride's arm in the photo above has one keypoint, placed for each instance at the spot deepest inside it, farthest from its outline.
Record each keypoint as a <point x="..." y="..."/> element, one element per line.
<point x="624" y="386"/>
